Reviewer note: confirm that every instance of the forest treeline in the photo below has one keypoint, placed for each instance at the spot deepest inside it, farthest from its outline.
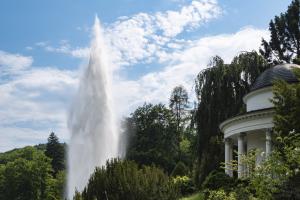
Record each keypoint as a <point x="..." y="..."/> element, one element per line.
<point x="34" y="173"/>
<point x="177" y="149"/>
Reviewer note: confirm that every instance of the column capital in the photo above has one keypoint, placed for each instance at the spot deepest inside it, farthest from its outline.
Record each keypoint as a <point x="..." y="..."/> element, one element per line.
<point x="269" y="130"/>
<point x="228" y="140"/>
<point x="242" y="134"/>
<point x="269" y="134"/>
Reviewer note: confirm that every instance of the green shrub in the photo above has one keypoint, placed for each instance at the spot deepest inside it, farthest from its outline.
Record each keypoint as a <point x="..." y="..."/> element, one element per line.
<point x="185" y="185"/>
<point x="289" y="189"/>
<point x="124" y="180"/>
<point x="221" y="195"/>
<point x="217" y="179"/>
<point x="179" y="170"/>
<point x="242" y="192"/>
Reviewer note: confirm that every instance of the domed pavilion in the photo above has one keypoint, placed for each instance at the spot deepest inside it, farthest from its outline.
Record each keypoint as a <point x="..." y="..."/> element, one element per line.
<point x="253" y="130"/>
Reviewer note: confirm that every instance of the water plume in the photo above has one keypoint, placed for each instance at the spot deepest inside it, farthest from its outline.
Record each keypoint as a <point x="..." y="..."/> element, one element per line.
<point x="91" y="121"/>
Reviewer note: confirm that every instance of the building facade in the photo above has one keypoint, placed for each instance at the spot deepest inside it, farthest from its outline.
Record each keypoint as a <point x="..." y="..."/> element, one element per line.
<point x="253" y="130"/>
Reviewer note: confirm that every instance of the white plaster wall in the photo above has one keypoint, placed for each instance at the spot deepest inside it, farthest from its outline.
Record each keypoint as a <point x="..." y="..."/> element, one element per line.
<point x="259" y="99"/>
<point x="247" y="125"/>
<point x="257" y="141"/>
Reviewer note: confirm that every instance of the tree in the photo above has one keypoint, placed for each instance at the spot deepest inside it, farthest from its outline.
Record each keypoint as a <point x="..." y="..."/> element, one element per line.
<point x="220" y="89"/>
<point x="124" y="180"/>
<point x="287" y="106"/>
<point x="55" y="151"/>
<point x="155" y="140"/>
<point x="57" y="186"/>
<point x="26" y="177"/>
<point x="284" y="46"/>
<point x="178" y="103"/>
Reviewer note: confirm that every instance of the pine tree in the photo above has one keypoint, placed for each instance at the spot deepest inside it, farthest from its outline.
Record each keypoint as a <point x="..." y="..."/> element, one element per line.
<point x="284" y="45"/>
<point x="55" y="151"/>
<point x="178" y="103"/>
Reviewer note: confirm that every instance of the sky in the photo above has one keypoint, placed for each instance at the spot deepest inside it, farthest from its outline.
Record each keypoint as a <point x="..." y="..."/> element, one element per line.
<point x="153" y="45"/>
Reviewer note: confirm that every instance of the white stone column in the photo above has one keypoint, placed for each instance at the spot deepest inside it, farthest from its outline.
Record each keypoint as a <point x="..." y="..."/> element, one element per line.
<point x="228" y="156"/>
<point x="268" y="142"/>
<point x="241" y="151"/>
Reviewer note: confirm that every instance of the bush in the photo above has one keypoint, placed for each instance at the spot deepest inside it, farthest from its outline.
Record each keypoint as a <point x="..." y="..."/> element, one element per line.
<point x="221" y="195"/>
<point x="242" y="192"/>
<point x="289" y="189"/>
<point x="179" y="170"/>
<point x="217" y="179"/>
<point x="124" y="180"/>
<point x="185" y="185"/>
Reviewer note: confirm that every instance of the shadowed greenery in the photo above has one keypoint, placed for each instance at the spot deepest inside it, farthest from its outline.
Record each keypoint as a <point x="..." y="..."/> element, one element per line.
<point x="124" y="180"/>
<point x="220" y="89"/>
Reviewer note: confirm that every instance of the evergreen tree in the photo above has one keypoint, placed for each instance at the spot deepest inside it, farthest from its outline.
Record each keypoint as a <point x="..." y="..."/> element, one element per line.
<point x="284" y="46"/>
<point x="178" y="103"/>
<point x="55" y="151"/>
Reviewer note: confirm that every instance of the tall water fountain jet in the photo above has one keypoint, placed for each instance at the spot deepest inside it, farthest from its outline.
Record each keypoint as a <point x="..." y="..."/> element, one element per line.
<point x="92" y="123"/>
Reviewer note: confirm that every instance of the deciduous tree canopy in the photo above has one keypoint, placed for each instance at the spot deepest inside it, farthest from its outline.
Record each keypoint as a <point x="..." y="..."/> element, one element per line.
<point x="284" y="45"/>
<point x="155" y="140"/>
<point x="220" y="89"/>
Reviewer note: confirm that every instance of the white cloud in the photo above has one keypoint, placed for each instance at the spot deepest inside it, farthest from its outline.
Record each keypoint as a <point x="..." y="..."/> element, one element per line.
<point x="141" y="36"/>
<point x="16" y="137"/>
<point x="192" y="16"/>
<point x="13" y="63"/>
<point x="42" y="43"/>
<point x="65" y="48"/>
<point x="83" y="28"/>
<point x="77" y="52"/>
<point x="29" y="48"/>
<point x="33" y="103"/>
<point x="156" y="87"/>
<point x="80" y="52"/>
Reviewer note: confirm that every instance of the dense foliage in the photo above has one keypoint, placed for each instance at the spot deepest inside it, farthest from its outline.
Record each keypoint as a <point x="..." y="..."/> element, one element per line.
<point x="156" y="139"/>
<point x="278" y="176"/>
<point x="185" y="184"/>
<point x="26" y="174"/>
<point x="217" y="180"/>
<point x="287" y="106"/>
<point x="287" y="128"/>
<point x="220" y="89"/>
<point x="284" y="46"/>
<point x="124" y="180"/>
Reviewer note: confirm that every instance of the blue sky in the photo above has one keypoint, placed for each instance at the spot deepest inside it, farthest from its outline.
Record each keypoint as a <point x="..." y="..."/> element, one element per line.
<point x="154" y="46"/>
